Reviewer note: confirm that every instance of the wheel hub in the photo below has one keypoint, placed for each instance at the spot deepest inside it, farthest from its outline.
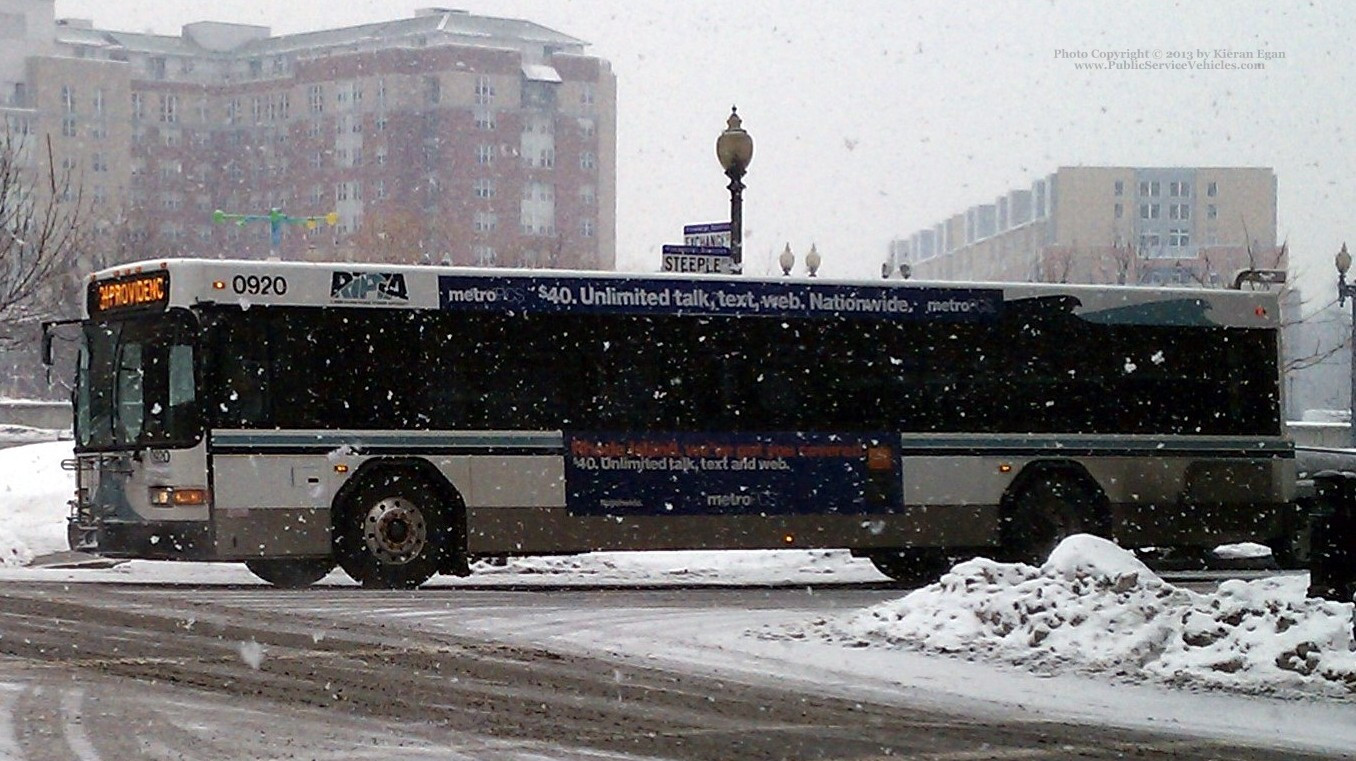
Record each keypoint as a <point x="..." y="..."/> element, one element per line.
<point x="394" y="530"/>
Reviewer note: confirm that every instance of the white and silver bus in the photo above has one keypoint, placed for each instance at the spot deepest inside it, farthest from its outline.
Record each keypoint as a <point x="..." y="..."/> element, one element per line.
<point x="401" y="421"/>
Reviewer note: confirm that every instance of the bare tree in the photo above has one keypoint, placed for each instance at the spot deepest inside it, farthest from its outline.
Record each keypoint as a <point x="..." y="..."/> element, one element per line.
<point x="40" y="238"/>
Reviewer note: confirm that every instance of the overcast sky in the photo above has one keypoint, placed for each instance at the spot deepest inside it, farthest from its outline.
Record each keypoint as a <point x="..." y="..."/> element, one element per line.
<point x="873" y="118"/>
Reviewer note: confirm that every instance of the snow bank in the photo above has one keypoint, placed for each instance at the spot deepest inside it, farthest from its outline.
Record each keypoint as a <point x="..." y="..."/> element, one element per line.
<point x="33" y="494"/>
<point x="727" y="566"/>
<point x="1094" y="607"/>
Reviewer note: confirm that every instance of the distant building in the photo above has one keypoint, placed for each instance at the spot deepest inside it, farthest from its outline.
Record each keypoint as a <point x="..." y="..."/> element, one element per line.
<point x="442" y="137"/>
<point x="1127" y="225"/>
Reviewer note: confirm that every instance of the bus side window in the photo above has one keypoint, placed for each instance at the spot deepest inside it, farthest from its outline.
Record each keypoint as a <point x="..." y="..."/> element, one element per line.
<point x="240" y="391"/>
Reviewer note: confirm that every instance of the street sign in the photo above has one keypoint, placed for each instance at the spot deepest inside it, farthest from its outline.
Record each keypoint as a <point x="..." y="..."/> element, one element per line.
<point x="709" y="234"/>
<point x="703" y="259"/>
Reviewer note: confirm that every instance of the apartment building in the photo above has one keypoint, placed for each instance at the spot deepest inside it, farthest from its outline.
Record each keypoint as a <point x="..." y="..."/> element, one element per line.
<point x="1126" y="225"/>
<point x="444" y="137"/>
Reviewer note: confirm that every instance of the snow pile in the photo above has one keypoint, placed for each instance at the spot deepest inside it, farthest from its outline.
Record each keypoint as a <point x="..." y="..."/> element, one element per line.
<point x="1094" y="607"/>
<point x="33" y="494"/>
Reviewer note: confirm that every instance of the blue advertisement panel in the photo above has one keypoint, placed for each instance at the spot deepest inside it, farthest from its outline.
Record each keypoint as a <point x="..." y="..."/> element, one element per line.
<point x="710" y="297"/>
<point x="731" y="474"/>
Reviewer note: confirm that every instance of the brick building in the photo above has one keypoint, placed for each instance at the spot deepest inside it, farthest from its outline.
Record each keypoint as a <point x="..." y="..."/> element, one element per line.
<point x="445" y="137"/>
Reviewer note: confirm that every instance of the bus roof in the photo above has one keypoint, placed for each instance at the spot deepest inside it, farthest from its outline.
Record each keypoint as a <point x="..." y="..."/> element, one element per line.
<point x="191" y="282"/>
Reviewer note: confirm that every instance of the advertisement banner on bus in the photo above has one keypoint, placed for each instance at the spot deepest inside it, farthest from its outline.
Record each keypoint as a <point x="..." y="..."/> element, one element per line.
<point x="726" y="474"/>
<point x="703" y="297"/>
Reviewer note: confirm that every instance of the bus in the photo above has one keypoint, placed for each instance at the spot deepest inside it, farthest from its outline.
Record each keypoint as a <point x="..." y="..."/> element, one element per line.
<point x="404" y="421"/>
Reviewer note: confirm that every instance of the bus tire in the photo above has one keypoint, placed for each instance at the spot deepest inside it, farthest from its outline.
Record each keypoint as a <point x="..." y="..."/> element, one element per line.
<point x="291" y="573"/>
<point x="914" y="566"/>
<point x="1049" y="508"/>
<point x="391" y="531"/>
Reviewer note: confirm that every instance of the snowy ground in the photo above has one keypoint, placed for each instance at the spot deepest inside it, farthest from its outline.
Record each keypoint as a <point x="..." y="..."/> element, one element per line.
<point x="1093" y="634"/>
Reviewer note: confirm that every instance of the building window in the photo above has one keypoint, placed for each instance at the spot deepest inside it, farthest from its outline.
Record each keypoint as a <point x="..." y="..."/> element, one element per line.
<point x="99" y="162"/>
<point x="382" y="121"/>
<point x="169" y="108"/>
<point x="98" y="101"/>
<point x="138" y="106"/>
<point x="317" y="159"/>
<point x="68" y="126"/>
<point x="485" y="154"/>
<point x="433" y="89"/>
<point x="484" y="91"/>
<point x="1211" y="212"/>
<point x="484" y="119"/>
<point x="586" y="95"/>
<point x="484" y="188"/>
<point x="586" y="228"/>
<point x="316" y="97"/>
<point x="486" y="222"/>
<point x="587" y="160"/>
<point x="546" y="158"/>
<point x="1178" y="238"/>
<point x="484" y="256"/>
<point x="380" y="190"/>
<point x="1179" y="211"/>
<point x="1120" y="187"/>
<point x="1181" y="189"/>
<point x="157" y="68"/>
<point x="588" y="196"/>
<point x="539" y="191"/>
<point x="1212" y="189"/>
<point x="1120" y="211"/>
<point x="1148" y="211"/>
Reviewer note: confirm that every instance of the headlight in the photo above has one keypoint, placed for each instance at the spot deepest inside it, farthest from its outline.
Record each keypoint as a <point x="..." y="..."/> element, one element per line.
<point x="178" y="496"/>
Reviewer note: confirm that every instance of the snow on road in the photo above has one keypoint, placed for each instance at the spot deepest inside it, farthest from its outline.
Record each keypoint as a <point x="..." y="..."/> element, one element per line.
<point x="1092" y="635"/>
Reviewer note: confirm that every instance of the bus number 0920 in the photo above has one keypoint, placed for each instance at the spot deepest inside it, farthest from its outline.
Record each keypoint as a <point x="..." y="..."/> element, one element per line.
<point x="259" y="285"/>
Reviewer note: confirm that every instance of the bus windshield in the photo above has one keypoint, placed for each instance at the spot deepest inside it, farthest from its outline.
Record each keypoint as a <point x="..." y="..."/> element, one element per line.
<point x="135" y="384"/>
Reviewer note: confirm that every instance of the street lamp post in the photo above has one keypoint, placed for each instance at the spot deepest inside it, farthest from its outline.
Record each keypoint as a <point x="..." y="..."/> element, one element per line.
<point x="1346" y="291"/>
<point x="734" y="149"/>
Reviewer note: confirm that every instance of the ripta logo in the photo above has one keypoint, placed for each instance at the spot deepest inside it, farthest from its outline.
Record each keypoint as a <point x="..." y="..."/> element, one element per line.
<point x="368" y="286"/>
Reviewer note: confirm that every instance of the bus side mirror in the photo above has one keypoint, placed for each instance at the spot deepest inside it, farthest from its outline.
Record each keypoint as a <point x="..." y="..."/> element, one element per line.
<point x="47" y="343"/>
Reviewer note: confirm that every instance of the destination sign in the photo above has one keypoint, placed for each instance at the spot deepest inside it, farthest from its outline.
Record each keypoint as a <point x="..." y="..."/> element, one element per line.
<point x="707" y="297"/>
<point x="145" y="290"/>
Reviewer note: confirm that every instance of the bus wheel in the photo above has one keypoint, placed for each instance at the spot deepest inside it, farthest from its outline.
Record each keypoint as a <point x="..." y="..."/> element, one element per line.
<point x="1048" y="510"/>
<point x="391" y="532"/>
<point x="291" y="573"/>
<point x="914" y="567"/>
